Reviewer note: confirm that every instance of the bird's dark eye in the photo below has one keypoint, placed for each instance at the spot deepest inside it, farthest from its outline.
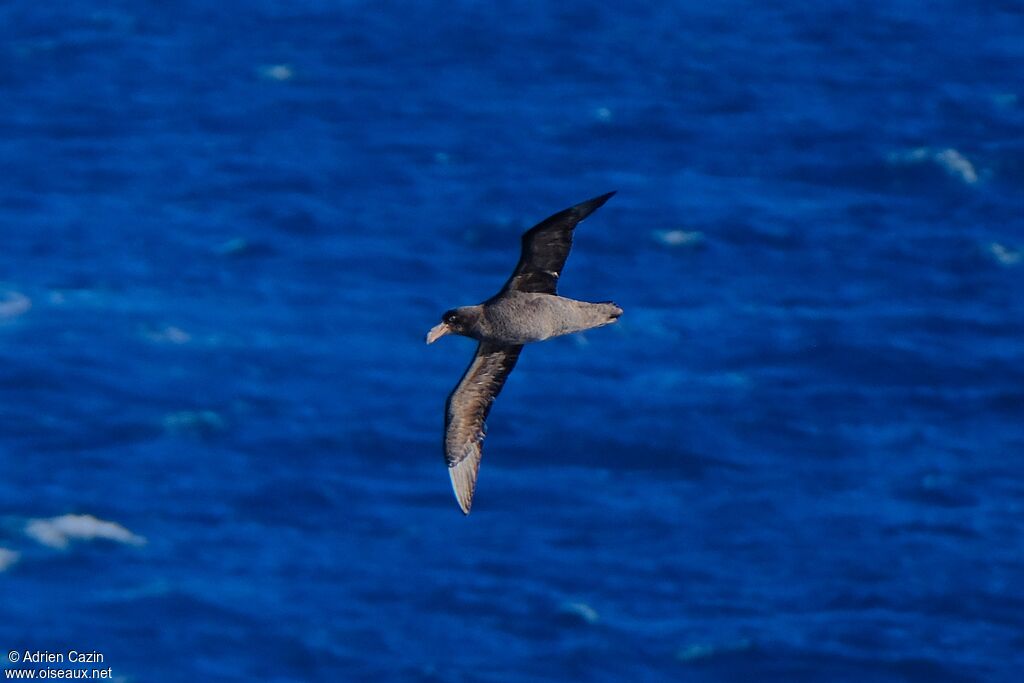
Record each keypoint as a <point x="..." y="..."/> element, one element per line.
<point x="450" y="317"/>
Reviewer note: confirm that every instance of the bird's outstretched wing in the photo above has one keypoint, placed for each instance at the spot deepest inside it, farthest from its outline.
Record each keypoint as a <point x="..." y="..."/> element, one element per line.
<point x="466" y="413"/>
<point x="546" y="246"/>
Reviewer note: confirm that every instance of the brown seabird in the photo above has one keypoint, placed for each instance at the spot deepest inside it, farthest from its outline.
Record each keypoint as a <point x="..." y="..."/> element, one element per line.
<point x="527" y="309"/>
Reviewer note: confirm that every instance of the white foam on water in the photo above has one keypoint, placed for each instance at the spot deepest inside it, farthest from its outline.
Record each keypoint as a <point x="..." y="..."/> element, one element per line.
<point x="277" y="72"/>
<point x="1003" y="254"/>
<point x="679" y="238"/>
<point x="957" y="165"/>
<point x="169" y="335"/>
<point x="581" y="611"/>
<point x="949" y="160"/>
<point x="7" y="558"/>
<point x="58" y="532"/>
<point x="13" y="304"/>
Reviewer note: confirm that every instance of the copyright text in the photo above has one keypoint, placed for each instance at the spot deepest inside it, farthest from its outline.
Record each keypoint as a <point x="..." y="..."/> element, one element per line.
<point x="75" y="658"/>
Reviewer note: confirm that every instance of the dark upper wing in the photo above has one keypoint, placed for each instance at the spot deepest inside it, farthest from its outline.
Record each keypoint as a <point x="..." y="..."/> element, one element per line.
<point x="467" y="409"/>
<point x="546" y="246"/>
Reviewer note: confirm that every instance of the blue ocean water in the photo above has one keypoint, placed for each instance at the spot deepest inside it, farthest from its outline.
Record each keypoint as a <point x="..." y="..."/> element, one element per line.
<point x="225" y="229"/>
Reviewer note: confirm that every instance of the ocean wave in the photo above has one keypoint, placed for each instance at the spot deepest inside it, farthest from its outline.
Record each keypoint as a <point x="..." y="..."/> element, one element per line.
<point x="953" y="162"/>
<point x="58" y="532"/>
<point x="169" y="334"/>
<point x="13" y="304"/>
<point x="702" y="651"/>
<point x="7" y="558"/>
<point x="680" y="238"/>
<point x="201" y="423"/>
<point x="276" y="72"/>
<point x="578" y="612"/>
<point x="1003" y="255"/>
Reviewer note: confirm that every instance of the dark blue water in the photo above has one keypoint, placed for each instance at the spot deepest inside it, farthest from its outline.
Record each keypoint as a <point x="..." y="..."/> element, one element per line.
<point x="225" y="229"/>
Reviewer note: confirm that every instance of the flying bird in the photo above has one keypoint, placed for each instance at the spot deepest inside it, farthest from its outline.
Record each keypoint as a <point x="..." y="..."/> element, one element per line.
<point x="527" y="309"/>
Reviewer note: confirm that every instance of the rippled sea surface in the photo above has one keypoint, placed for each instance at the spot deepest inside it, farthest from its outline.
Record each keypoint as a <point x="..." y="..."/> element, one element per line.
<point x="225" y="229"/>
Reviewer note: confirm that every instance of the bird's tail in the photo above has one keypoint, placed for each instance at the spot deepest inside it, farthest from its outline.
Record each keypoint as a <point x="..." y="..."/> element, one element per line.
<point x="604" y="313"/>
<point x="613" y="309"/>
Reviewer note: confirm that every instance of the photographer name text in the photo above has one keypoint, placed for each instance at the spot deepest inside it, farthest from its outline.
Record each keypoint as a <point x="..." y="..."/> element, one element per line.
<point x="47" y="657"/>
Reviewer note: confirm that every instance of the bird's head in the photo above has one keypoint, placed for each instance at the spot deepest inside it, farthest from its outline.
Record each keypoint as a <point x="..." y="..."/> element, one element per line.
<point x="456" y="321"/>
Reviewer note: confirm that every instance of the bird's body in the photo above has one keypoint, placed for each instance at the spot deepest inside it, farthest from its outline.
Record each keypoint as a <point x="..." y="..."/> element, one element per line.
<point x="524" y="317"/>
<point x="526" y="310"/>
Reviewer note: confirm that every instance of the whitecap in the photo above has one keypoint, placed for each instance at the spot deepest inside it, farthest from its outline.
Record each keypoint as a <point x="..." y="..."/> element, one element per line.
<point x="679" y="238"/>
<point x="579" y="611"/>
<point x="277" y="72"/>
<point x="955" y="164"/>
<point x="7" y="558"/>
<point x="13" y="304"/>
<point x="169" y="335"/>
<point x="58" y="532"/>
<point x="1003" y="254"/>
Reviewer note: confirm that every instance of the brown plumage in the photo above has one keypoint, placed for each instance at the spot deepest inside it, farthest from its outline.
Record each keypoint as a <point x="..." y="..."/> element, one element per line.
<point x="466" y="414"/>
<point x="527" y="309"/>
